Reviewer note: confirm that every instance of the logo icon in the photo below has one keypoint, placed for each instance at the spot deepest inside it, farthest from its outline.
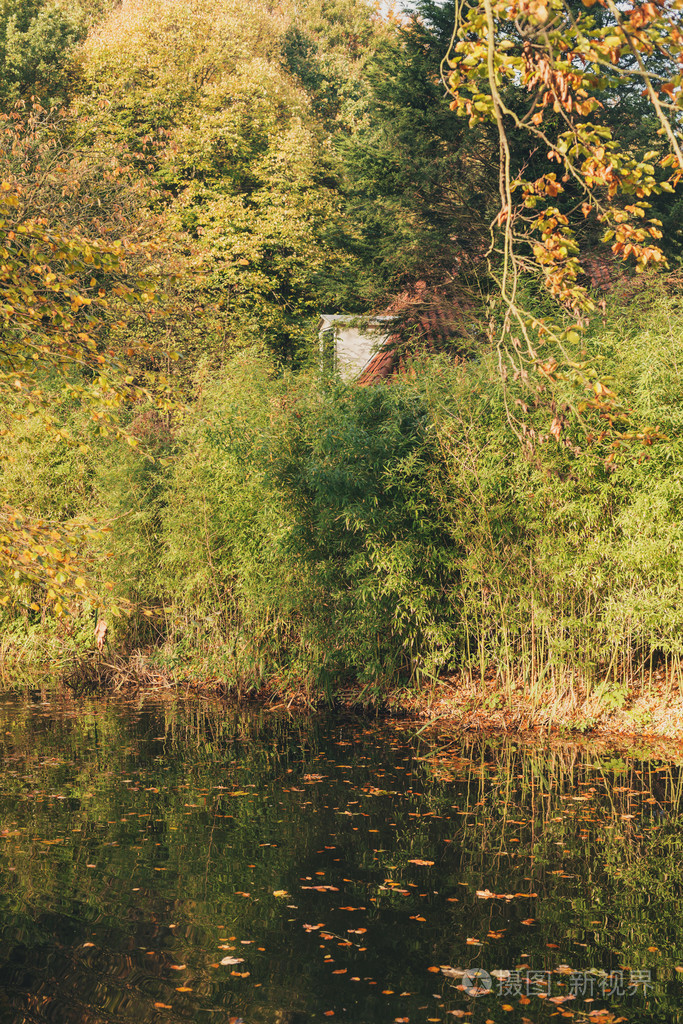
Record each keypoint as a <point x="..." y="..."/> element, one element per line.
<point x="477" y="982"/>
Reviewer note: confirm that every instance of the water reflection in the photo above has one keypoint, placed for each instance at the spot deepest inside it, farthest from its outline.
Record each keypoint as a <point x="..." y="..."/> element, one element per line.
<point x="190" y="863"/>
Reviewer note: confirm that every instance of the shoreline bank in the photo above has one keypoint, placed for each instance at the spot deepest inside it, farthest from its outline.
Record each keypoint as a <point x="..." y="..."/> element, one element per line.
<point x="651" y="712"/>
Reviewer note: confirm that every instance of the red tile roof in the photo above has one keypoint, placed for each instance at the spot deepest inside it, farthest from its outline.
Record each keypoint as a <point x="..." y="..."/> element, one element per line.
<point x="423" y="321"/>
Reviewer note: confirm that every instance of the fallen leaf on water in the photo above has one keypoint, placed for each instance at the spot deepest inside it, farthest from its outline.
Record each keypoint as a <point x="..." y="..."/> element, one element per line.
<point x="529" y="920"/>
<point x="477" y="942"/>
<point x="329" y="1013"/>
<point x="162" y="1006"/>
<point x="435" y="970"/>
<point x="422" y="863"/>
<point x="228" y="961"/>
<point x="387" y="991"/>
<point x="177" y="967"/>
<point x="87" y="945"/>
<point x="238" y="974"/>
<point x="183" y="988"/>
<point x="507" y="1007"/>
<point x="342" y="970"/>
<point x="280" y="892"/>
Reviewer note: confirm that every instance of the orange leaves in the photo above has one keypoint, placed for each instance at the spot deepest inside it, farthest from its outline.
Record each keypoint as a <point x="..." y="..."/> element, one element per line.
<point x="563" y="70"/>
<point x="422" y="863"/>
<point x="643" y="15"/>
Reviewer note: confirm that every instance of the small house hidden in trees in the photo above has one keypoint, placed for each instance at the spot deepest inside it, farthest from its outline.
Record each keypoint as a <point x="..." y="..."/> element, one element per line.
<point x="423" y="319"/>
<point x="370" y="349"/>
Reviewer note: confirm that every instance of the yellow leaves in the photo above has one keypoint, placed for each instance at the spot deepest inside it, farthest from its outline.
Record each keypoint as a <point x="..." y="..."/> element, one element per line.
<point x="486" y="894"/>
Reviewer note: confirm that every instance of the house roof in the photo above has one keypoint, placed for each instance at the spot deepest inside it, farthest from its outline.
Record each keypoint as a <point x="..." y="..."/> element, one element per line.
<point x="382" y="365"/>
<point x="354" y="319"/>
<point x="418" y="319"/>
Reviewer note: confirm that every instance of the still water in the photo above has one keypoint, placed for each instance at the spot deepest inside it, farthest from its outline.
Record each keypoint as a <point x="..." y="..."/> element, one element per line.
<point x="191" y="863"/>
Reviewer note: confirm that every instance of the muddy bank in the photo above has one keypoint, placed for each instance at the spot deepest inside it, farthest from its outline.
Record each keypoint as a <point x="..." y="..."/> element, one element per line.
<point x="653" y="711"/>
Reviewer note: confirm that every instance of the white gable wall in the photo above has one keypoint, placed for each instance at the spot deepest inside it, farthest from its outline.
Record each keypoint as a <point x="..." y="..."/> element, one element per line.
<point x="354" y="345"/>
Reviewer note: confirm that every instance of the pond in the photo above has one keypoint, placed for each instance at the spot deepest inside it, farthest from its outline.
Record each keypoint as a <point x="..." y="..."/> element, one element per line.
<point x="189" y="862"/>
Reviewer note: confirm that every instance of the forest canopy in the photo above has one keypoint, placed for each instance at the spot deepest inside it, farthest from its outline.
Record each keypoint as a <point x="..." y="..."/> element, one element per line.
<point x="185" y="187"/>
